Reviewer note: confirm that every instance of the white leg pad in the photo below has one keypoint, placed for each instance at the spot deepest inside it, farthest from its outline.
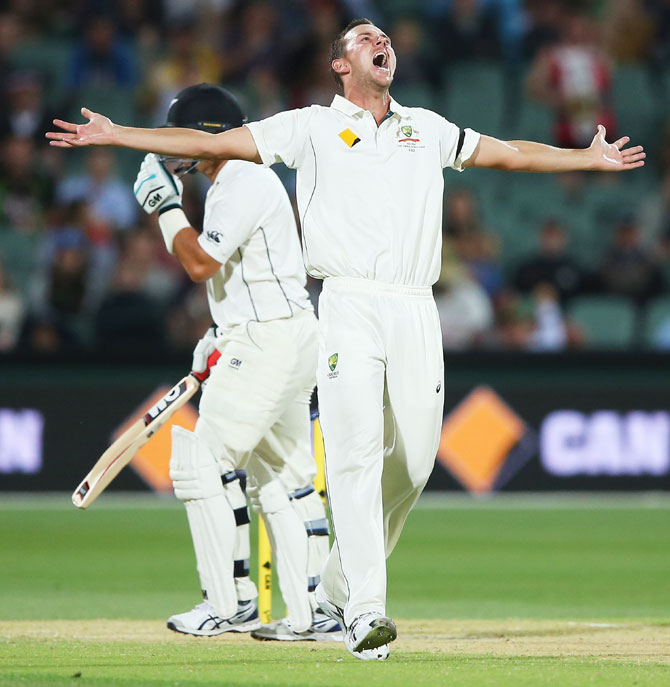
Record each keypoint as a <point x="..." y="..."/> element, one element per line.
<point x="289" y="546"/>
<point x="246" y="589"/>
<point x="196" y="478"/>
<point x="309" y="508"/>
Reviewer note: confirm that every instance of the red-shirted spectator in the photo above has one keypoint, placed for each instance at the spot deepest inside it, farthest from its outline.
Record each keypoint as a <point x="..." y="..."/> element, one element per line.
<point x="574" y="77"/>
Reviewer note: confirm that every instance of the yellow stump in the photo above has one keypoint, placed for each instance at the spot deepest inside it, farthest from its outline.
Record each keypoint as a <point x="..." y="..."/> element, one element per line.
<point x="319" y="458"/>
<point x="264" y="573"/>
<point x="264" y="548"/>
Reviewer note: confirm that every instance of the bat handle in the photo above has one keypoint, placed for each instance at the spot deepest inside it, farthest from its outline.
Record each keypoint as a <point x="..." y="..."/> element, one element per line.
<point x="211" y="361"/>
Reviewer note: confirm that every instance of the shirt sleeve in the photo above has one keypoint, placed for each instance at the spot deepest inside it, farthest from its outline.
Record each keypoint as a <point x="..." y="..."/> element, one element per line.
<point x="457" y="144"/>
<point x="231" y="219"/>
<point x="282" y="137"/>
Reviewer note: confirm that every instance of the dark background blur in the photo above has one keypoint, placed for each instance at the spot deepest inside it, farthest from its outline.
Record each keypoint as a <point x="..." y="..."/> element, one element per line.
<point x="555" y="290"/>
<point x="531" y="262"/>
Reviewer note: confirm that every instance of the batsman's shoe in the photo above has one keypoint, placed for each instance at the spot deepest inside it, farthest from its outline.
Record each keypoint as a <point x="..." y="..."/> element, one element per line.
<point x="370" y="634"/>
<point x="322" y="629"/>
<point x="327" y="606"/>
<point x="203" y="621"/>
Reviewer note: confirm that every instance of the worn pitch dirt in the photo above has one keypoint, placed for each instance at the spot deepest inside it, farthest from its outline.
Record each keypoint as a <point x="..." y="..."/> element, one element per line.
<point x="615" y="641"/>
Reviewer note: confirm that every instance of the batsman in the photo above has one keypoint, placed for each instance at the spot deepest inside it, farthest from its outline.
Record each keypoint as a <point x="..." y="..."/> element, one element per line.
<point x="254" y="409"/>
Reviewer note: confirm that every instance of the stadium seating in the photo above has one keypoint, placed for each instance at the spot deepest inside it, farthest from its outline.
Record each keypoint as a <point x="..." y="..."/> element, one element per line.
<point x="474" y="96"/>
<point x="50" y="58"/>
<point x="17" y="255"/>
<point x="418" y="95"/>
<point x="633" y="102"/>
<point x="656" y="324"/>
<point x="608" y="322"/>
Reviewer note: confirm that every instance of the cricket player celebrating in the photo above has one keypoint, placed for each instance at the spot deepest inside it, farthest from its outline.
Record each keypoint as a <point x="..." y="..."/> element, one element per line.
<point x="254" y="409"/>
<point x="369" y="188"/>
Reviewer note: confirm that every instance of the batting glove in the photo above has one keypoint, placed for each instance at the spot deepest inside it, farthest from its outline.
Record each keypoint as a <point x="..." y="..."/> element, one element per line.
<point x="155" y="188"/>
<point x="203" y="349"/>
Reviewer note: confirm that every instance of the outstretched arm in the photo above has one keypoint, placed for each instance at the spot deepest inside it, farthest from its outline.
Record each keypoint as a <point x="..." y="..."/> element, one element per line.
<point x="236" y="144"/>
<point x="527" y="156"/>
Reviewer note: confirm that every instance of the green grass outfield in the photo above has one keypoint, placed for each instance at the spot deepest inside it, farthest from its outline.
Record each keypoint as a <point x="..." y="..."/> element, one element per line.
<point x="513" y="591"/>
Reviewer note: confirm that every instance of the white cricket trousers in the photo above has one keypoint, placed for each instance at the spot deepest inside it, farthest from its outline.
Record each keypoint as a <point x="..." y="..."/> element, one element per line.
<point x="380" y="381"/>
<point x="256" y="400"/>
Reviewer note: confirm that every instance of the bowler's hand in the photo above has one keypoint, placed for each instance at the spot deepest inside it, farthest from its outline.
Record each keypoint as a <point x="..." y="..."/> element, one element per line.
<point x="614" y="157"/>
<point x="99" y="131"/>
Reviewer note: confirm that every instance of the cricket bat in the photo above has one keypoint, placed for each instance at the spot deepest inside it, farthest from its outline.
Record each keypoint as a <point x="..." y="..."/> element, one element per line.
<point x="122" y="451"/>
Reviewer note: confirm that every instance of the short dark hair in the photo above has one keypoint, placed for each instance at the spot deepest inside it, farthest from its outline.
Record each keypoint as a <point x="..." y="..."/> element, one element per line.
<point x="337" y="46"/>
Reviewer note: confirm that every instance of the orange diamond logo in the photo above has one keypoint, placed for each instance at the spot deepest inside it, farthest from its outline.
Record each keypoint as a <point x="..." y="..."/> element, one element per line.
<point x="478" y="439"/>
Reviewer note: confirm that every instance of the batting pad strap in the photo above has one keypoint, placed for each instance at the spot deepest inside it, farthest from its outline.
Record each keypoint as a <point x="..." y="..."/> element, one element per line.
<point x="241" y="568"/>
<point x="242" y="516"/>
<point x="171" y="222"/>
<point x="301" y="493"/>
<point x="317" y="528"/>
<point x="312" y="582"/>
<point x="229" y="477"/>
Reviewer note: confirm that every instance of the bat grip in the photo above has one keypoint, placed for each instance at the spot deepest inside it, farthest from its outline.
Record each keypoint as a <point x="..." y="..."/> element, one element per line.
<point x="211" y="361"/>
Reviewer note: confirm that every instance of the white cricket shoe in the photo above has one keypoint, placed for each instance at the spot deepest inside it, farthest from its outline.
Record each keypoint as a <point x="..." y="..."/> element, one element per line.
<point x="203" y="621"/>
<point x="370" y="634"/>
<point x="379" y="652"/>
<point x="322" y="629"/>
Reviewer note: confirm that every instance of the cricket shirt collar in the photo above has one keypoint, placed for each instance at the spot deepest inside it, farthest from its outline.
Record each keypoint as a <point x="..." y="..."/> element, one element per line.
<point x="341" y="104"/>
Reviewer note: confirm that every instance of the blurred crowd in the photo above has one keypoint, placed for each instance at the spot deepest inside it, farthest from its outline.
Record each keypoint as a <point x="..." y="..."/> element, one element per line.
<point x="82" y="267"/>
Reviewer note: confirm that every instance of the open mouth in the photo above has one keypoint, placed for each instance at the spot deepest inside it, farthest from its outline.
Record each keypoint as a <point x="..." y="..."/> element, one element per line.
<point x="380" y="60"/>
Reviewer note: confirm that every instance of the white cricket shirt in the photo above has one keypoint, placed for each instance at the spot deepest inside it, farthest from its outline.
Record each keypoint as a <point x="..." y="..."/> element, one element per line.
<point x="250" y="228"/>
<point x="370" y="197"/>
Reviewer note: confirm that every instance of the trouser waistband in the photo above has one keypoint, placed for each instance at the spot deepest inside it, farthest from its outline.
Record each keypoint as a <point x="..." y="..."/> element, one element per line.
<point x="372" y="286"/>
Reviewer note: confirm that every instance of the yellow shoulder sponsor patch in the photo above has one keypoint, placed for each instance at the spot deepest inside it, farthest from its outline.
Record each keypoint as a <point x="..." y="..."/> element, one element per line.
<point x="349" y="137"/>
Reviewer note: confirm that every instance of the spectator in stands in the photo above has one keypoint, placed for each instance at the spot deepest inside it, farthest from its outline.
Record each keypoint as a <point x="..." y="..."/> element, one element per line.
<point x="25" y="113"/>
<point x="100" y="59"/>
<point x="26" y="190"/>
<point x="264" y="94"/>
<point x="302" y="69"/>
<point x="109" y="197"/>
<point x="10" y="34"/>
<point x="573" y="77"/>
<point x="44" y="335"/>
<point x="480" y="253"/>
<point x="128" y="319"/>
<point x="136" y="20"/>
<point x="659" y="53"/>
<point x="255" y="41"/>
<point x="550" y="332"/>
<point x="628" y="269"/>
<point x="543" y="26"/>
<point x="474" y="246"/>
<point x="467" y="30"/>
<point x="512" y="23"/>
<point x="162" y="275"/>
<point x="460" y="214"/>
<point x="415" y="66"/>
<point x="551" y="265"/>
<point x="654" y="212"/>
<point x="186" y="61"/>
<point x="628" y="30"/>
<point x="187" y="318"/>
<point x="464" y="307"/>
<point x="12" y="312"/>
<point x="514" y="321"/>
<point x="75" y="225"/>
<point x="59" y="291"/>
